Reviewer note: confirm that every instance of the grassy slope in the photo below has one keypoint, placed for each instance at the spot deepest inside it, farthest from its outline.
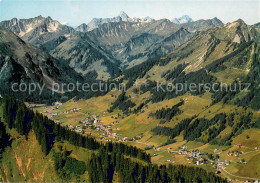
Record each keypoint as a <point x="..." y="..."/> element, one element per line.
<point x="24" y="161"/>
<point x="141" y="123"/>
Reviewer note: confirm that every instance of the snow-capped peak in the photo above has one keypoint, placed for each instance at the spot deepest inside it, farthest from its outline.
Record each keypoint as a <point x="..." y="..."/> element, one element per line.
<point x="124" y="16"/>
<point x="147" y="19"/>
<point x="96" y="22"/>
<point x="183" y="19"/>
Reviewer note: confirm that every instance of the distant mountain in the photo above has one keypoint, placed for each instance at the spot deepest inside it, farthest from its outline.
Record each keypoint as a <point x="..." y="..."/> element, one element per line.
<point x="144" y="20"/>
<point x="170" y="43"/>
<point x="113" y="45"/>
<point x="201" y="25"/>
<point x="82" y="28"/>
<point x="145" y="46"/>
<point x="257" y="24"/>
<point x="130" y="41"/>
<point x="183" y="19"/>
<point x="122" y="17"/>
<point x="117" y="33"/>
<point x="134" y="43"/>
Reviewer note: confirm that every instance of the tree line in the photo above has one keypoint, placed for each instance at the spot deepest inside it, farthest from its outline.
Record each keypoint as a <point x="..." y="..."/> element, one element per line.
<point x="175" y="73"/>
<point x="172" y="132"/>
<point x="114" y="166"/>
<point x="193" y="128"/>
<point x="4" y="137"/>
<point x="123" y="103"/>
<point x="68" y="167"/>
<point x="168" y="113"/>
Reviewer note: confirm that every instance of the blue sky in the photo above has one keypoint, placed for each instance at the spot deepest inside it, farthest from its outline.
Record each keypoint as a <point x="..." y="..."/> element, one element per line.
<point x="75" y="12"/>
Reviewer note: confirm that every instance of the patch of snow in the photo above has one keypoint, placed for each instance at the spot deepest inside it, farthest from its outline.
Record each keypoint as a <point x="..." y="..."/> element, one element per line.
<point x="96" y="22"/>
<point x="183" y="19"/>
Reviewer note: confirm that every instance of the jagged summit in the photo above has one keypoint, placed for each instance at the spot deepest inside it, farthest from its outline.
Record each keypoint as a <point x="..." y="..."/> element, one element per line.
<point x="124" y="16"/>
<point x="38" y="30"/>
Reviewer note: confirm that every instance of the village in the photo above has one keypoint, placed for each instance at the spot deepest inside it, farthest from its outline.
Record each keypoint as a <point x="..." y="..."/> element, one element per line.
<point x="198" y="158"/>
<point x="92" y="125"/>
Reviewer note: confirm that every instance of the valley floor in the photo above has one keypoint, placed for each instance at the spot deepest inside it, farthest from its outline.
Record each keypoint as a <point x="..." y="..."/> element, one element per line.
<point x="239" y="162"/>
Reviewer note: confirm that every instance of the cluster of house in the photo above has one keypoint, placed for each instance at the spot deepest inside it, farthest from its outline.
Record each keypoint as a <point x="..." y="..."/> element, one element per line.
<point x="193" y="155"/>
<point x="196" y="157"/>
<point x="53" y="114"/>
<point x="220" y="164"/>
<point x="255" y="181"/>
<point x="72" y="110"/>
<point x="235" y="153"/>
<point x="95" y="123"/>
<point x="79" y="129"/>
<point x="49" y="110"/>
<point x="190" y="154"/>
<point x="242" y="160"/>
<point x="57" y="104"/>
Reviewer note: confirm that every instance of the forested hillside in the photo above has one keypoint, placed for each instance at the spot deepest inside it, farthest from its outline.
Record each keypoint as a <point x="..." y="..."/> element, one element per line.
<point x="108" y="160"/>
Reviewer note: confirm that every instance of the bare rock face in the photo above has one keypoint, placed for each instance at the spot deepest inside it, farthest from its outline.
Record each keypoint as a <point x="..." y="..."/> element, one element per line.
<point x="39" y="30"/>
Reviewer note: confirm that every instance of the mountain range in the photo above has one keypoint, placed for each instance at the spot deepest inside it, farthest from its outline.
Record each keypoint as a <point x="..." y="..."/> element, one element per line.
<point x="96" y="22"/>
<point x="120" y="42"/>
<point x="114" y="45"/>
